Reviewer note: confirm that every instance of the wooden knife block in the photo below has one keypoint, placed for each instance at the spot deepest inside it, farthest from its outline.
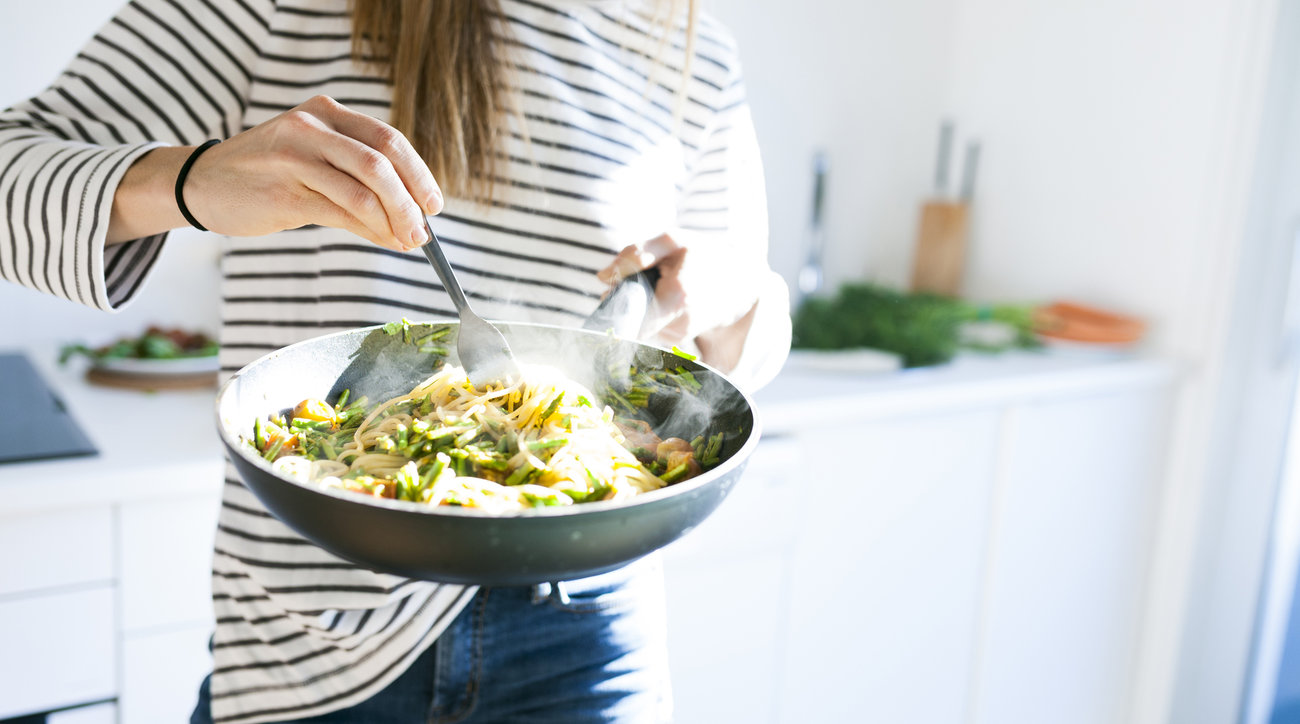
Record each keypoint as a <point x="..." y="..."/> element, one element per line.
<point x="940" y="259"/>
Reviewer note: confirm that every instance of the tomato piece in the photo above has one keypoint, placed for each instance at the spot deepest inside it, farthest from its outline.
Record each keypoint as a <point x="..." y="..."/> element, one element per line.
<point x="314" y="410"/>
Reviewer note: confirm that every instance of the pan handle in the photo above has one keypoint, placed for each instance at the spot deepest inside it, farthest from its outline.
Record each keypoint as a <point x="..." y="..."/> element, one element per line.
<point x="624" y="309"/>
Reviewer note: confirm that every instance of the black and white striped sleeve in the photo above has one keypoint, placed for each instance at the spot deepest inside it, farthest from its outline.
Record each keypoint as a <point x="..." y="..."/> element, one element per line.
<point x="724" y="201"/>
<point x="162" y="72"/>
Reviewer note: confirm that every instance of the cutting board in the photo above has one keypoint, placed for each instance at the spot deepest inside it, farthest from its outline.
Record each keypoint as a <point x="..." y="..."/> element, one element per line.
<point x="940" y="256"/>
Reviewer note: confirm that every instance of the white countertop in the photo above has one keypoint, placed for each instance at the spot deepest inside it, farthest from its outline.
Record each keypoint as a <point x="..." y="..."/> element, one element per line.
<point x="164" y="444"/>
<point x="804" y="396"/>
<point x="151" y="445"/>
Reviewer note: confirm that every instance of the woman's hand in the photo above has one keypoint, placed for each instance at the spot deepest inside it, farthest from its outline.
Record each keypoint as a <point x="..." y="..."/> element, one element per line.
<point x="320" y="163"/>
<point x="706" y="293"/>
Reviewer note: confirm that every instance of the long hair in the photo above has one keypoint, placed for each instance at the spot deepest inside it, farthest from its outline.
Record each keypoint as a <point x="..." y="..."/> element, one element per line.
<point x="450" y="77"/>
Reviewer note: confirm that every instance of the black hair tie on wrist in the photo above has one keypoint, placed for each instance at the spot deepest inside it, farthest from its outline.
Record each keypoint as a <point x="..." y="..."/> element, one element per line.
<point x="180" y="182"/>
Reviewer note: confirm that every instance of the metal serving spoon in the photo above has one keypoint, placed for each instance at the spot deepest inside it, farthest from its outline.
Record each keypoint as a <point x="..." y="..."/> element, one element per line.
<point x="483" y="350"/>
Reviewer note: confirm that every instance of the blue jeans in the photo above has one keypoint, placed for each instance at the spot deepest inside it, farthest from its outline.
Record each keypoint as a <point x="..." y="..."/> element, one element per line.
<point x="593" y="650"/>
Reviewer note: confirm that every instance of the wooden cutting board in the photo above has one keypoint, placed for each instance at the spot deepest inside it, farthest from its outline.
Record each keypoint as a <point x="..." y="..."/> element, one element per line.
<point x="151" y="382"/>
<point x="940" y="256"/>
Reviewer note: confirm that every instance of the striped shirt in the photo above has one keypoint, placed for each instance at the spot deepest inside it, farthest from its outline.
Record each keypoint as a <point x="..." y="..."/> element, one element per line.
<point x="602" y="163"/>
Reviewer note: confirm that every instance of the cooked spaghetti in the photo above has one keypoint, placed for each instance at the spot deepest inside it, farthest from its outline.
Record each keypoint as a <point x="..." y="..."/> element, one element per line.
<point x="540" y="441"/>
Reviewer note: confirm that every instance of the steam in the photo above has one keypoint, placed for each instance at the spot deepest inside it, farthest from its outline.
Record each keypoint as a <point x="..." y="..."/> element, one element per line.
<point x="701" y="402"/>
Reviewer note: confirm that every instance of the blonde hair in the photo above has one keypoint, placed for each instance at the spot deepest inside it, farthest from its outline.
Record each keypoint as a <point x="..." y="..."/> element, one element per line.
<point x="449" y="76"/>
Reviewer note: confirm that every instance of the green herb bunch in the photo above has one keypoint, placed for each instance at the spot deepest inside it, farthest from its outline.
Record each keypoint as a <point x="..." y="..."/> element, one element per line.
<point x="924" y="329"/>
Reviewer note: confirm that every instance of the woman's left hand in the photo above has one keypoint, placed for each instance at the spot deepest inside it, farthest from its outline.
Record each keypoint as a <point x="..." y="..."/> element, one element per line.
<point x="705" y="285"/>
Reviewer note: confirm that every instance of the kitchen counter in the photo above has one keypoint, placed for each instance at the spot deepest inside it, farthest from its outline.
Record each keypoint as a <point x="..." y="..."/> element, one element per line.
<point x="164" y="444"/>
<point x="151" y="445"/>
<point x="799" y="396"/>
<point x="963" y="475"/>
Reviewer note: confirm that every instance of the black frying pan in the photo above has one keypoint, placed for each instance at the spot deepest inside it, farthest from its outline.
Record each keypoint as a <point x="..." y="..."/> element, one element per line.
<point x="466" y="546"/>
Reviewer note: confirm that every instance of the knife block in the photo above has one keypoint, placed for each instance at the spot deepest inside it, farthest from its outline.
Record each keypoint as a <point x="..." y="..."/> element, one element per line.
<point x="940" y="256"/>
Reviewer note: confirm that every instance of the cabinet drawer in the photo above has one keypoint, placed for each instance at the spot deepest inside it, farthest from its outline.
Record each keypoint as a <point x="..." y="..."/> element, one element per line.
<point x="97" y="714"/>
<point x="161" y="673"/>
<point x="59" y="650"/>
<point x="166" y="562"/>
<point x="56" y="549"/>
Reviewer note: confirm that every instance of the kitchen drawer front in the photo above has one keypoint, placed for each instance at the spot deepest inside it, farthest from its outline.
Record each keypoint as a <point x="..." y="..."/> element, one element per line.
<point x="58" y="650"/>
<point x="48" y="550"/>
<point x="161" y="673"/>
<point x="166" y="563"/>
<point x="97" y="714"/>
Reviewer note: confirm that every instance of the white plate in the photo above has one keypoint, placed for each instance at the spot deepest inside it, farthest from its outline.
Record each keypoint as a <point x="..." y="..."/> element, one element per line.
<point x="177" y="366"/>
<point x="857" y="361"/>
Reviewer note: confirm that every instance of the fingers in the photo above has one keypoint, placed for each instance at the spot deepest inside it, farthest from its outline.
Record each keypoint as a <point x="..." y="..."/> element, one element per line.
<point x="703" y="284"/>
<point x="337" y="199"/>
<point x="386" y="175"/>
<point x="382" y="201"/>
<point x="668" y="318"/>
<point x="356" y="200"/>
<point x="636" y="257"/>
<point x="406" y="163"/>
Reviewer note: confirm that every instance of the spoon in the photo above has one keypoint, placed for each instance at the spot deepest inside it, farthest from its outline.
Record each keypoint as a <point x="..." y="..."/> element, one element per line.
<point x="483" y="350"/>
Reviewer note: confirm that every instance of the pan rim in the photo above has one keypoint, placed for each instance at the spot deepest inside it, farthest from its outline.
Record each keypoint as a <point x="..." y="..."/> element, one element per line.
<point x="239" y="447"/>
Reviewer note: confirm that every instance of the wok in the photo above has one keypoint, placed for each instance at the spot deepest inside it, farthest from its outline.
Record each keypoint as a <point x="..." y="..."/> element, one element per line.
<point x="458" y="545"/>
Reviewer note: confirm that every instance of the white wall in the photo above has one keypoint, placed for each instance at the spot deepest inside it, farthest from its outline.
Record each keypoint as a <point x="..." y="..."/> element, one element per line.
<point x="39" y="38"/>
<point x="868" y="82"/>
<point x="1100" y="120"/>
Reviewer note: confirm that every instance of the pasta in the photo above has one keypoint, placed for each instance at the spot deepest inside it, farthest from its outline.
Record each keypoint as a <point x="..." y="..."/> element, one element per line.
<point x="540" y="441"/>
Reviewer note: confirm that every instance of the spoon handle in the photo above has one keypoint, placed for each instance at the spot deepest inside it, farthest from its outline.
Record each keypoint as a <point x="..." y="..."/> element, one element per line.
<point x="433" y="250"/>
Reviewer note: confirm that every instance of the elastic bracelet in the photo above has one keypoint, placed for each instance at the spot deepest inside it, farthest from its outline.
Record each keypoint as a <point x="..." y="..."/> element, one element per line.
<point x="180" y="182"/>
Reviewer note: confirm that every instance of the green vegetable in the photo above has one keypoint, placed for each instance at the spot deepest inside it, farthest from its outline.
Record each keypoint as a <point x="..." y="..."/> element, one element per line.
<point x="925" y="329"/>
<point x="551" y="408"/>
<point x="922" y="328"/>
<point x="672" y="475"/>
<point x="552" y="498"/>
<point x="550" y="444"/>
<point x="155" y="343"/>
<point x="274" y="450"/>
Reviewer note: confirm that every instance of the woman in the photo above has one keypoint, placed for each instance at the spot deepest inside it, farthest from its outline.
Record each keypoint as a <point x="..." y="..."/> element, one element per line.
<point x="560" y="144"/>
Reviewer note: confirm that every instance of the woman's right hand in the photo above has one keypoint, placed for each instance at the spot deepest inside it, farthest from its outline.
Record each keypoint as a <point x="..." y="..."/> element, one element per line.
<point x="319" y="163"/>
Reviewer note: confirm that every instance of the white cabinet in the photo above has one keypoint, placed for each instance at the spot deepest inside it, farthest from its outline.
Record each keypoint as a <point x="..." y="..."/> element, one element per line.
<point x="884" y="588"/>
<point x="161" y="673"/>
<point x="58" y="649"/>
<point x="955" y="546"/>
<point x="58" y="610"/>
<point x="1065" y="592"/>
<point x="166" y="555"/>
<point x="107" y="602"/>
<point x="94" y="714"/>
<point x="727" y="597"/>
<point x="965" y="551"/>
<point x="56" y="549"/>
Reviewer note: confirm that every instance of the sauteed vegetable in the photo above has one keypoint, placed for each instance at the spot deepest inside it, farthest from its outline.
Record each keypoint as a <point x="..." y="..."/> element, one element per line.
<point x="155" y="343"/>
<point x="540" y="441"/>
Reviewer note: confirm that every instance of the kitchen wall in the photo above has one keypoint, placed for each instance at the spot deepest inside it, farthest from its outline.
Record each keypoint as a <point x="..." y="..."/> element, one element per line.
<point x="867" y="82"/>
<point x="1103" y="123"/>
<point x="36" y="41"/>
